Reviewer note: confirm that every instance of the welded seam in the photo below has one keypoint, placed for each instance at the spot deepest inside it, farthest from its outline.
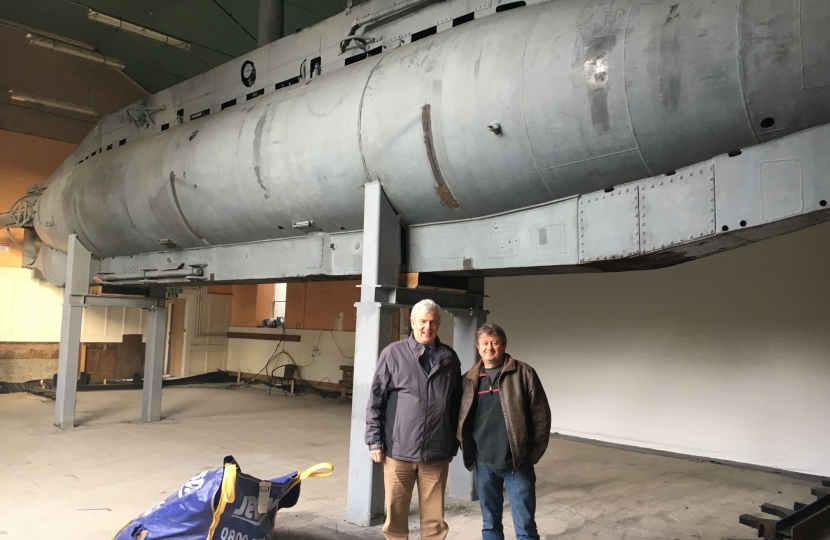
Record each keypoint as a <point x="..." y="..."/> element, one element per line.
<point x="801" y="42"/>
<point x="441" y="187"/>
<point x="625" y="89"/>
<point x="524" y="116"/>
<point x="82" y="236"/>
<point x="360" y="117"/>
<point x="590" y="159"/>
<point x="181" y="212"/>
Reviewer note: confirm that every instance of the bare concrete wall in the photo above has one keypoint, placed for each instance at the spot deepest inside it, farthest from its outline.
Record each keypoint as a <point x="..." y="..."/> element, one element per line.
<point x="21" y="362"/>
<point x="726" y="357"/>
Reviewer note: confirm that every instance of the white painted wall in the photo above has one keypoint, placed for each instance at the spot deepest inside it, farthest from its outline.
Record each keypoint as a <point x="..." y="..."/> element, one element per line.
<point x="334" y="348"/>
<point x="30" y="311"/>
<point x="207" y="318"/>
<point x="727" y="357"/>
<point x="109" y="324"/>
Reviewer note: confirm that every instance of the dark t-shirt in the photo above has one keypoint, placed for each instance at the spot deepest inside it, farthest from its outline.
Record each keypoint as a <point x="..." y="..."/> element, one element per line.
<point x="489" y="429"/>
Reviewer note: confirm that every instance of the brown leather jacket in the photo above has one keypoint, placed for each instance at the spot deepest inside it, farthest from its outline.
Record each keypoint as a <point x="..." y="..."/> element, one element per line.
<point x="525" y="407"/>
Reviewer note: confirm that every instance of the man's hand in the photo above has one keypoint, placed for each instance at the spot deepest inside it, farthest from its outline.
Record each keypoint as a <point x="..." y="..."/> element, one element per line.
<point x="377" y="455"/>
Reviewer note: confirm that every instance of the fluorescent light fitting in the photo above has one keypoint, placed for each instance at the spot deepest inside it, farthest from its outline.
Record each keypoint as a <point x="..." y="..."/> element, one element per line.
<point x="55" y="104"/>
<point x="48" y="43"/>
<point x="44" y="33"/>
<point x="135" y="29"/>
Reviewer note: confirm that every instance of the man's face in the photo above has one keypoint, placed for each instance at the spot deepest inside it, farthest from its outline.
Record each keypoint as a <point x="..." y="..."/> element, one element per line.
<point x="491" y="348"/>
<point x="425" y="326"/>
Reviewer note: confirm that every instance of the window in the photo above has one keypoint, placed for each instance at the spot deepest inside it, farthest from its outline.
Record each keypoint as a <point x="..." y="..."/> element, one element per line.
<point x="279" y="300"/>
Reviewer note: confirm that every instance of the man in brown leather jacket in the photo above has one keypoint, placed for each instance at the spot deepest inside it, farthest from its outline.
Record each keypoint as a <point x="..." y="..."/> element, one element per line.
<point x="504" y="429"/>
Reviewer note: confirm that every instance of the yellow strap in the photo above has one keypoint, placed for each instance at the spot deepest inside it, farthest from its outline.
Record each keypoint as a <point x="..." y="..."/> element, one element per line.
<point x="228" y="496"/>
<point x="318" y="471"/>
<point x="121" y="529"/>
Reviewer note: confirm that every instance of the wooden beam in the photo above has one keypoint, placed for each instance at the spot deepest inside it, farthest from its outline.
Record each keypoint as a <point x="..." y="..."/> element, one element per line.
<point x="82" y="362"/>
<point x="433" y="282"/>
<point x="268" y="337"/>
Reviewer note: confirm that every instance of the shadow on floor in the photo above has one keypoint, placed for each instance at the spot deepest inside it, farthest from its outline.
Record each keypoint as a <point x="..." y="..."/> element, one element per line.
<point x="85" y="418"/>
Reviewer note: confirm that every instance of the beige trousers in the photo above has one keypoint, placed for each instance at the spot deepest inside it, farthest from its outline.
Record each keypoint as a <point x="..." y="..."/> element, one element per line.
<point x="399" y="478"/>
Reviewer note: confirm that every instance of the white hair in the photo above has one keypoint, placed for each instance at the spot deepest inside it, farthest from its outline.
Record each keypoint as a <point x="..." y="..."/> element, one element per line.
<point x="426" y="306"/>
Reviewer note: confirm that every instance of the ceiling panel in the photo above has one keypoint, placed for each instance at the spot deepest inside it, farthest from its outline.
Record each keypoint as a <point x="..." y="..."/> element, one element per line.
<point x="218" y="30"/>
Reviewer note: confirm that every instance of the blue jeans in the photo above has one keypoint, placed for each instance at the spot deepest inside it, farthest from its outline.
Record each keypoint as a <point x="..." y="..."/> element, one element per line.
<point x="521" y="492"/>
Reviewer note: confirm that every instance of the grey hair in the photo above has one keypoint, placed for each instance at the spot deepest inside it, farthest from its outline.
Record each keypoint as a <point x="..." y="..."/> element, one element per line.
<point x="490" y="329"/>
<point x="427" y="306"/>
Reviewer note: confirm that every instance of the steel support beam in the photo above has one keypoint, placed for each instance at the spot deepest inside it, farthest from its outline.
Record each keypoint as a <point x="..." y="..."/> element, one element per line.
<point x="804" y="522"/>
<point x="154" y="363"/>
<point x="315" y="254"/>
<point x="100" y="300"/>
<point x="466" y="324"/>
<point x="78" y="262"/>
<point x="381" y="264"/>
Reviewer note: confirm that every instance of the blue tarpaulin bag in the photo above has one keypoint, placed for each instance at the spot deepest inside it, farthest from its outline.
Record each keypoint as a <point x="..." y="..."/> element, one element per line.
<point x="222" y="504"/>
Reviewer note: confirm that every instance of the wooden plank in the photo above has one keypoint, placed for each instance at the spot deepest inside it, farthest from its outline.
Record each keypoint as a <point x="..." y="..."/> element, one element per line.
<point x="130" y="362"/>
<point x="101" y="364"/>
<point x="133" y="342"/>
<point x="268" y="337"/>
<point x="432" y="282"/>
<point x="82" y="364"/>
<point x="176" y="309"/>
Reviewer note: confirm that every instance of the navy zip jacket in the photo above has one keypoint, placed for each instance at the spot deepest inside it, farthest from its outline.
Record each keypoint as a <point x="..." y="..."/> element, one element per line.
<point x="412" y="415"/>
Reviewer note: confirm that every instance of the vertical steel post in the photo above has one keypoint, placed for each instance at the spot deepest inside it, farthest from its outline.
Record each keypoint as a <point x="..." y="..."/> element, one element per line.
<point x="381" y="265"/>
<point x="271" y="21"/>
<point x="78" y="263"/>
<point x="29" y="248"/>
<point x="154" y="363"/>
<point x="464" y="339"/>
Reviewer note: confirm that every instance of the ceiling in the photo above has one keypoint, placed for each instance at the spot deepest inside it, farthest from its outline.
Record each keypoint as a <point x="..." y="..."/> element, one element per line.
<point x="218" y="30"/>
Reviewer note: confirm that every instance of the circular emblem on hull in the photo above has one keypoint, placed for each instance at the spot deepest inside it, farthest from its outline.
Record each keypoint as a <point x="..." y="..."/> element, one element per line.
<point x="248" y="73"/>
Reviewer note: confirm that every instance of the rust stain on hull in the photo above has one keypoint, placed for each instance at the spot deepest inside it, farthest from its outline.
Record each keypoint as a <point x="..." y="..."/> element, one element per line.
<point x="441" y="187"/>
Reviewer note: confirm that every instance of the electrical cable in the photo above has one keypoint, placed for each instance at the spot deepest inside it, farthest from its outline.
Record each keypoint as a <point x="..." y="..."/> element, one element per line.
<point x="239" y="24"/>
<point x="270" y="373"/>
<point x="9" y="234"/>
<point x="308" y="10"/>
<point x="338" y="346"/>
<point x="273" y="355"/>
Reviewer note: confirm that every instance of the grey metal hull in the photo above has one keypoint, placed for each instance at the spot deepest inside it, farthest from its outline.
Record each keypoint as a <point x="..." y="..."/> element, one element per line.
<point x="587" y="95"/>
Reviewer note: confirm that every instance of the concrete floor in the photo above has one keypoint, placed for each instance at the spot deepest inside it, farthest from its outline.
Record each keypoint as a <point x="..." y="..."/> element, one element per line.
<point x="87" y="483"/>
